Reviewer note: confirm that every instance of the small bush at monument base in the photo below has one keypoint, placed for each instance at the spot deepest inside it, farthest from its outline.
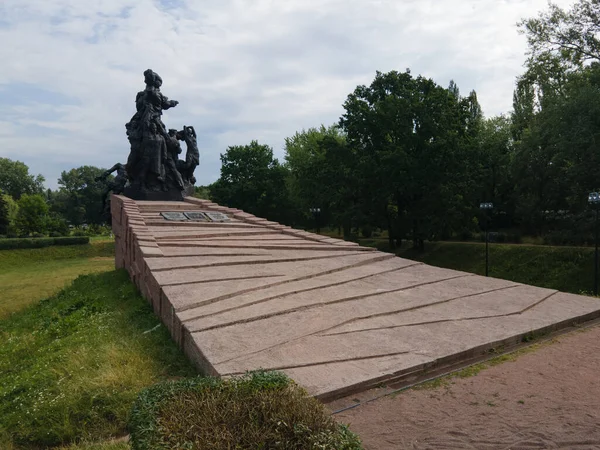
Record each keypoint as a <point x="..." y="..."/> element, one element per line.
<point x="260" y="410"/>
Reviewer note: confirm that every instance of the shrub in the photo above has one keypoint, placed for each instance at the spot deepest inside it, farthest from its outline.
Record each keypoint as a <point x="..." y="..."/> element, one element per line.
<point x="38" y="235"/>
<point x="258" y="410"/>
<point x="8" y="244"/>
<point x="367" y="231"/>
<point x="57" y="226"/>
<point x="465" y="235"/>
<point x="79" y="232"/>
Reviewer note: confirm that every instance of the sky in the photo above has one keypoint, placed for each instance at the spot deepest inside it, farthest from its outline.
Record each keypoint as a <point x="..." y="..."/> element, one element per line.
<point x="241" y="70"/>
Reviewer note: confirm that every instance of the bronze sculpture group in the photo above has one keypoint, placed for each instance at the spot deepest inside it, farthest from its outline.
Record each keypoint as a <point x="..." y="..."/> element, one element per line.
<point x="154" y="170"/>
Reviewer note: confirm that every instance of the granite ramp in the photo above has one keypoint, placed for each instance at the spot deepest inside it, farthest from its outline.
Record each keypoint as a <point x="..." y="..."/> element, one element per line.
<point x="247" y="293"/>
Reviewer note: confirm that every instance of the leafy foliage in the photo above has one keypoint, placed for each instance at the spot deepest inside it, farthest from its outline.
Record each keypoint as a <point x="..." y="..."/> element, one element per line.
<point x="258" y="410"/>
<point x="32" y="214"/>
<point x="4" y="214"/>
<point x="79" y="198"/>
<point x="15" y="179"/>
<point x="569" y="36"/>
<point x="252" y="180"/>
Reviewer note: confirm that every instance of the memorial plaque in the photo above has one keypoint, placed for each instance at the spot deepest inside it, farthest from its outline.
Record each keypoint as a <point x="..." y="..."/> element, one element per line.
<point x="216" y="216"/>
<point x="174" y="215"/>
<point x="196" y="216"/>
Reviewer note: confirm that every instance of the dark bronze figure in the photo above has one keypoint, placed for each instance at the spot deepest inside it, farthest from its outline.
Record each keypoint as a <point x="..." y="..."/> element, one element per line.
<point x="116" y="185"/>
<point x="153" y="166"/>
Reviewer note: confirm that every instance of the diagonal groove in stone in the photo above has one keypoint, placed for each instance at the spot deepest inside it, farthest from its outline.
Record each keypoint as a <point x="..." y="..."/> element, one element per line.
<point x="463" y="319"/>
<point x="333" y="361"/>
<point x="312" y="246"/>
<point x="257" y="261"/>
<point x="254" y="319"/>
<point x="415" y="308"/>
<point x="221" y="279"/>
<point x="213" y="235"/>
<point x="311" y="306"/>
<point x="285" y="294"/>
<point x="299" y="291"/>
<point x="306" y="277"/>
<point x="319" y="332"/>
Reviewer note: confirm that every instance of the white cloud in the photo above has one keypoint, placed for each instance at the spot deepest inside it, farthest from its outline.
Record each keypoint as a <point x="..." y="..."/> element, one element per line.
<point x="241" y="69"/>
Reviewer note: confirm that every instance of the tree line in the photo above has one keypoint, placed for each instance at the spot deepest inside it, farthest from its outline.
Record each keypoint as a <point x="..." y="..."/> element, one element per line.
<point x="27" y="208"/>
<point x="416" y="159"/>
<point x="409" y="156"/>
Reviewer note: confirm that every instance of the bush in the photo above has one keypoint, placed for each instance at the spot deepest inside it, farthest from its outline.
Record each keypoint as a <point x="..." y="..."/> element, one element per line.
<point x="79" y="232"/>
<point x="258" y="410"/>
<point x="8" y="244"/>
<point x="465" y="235"/>
<point x="567" y="237"/>
<point x="367" y="231"/>
<point x="57" y="226"/>
<point x="38" y="235"/>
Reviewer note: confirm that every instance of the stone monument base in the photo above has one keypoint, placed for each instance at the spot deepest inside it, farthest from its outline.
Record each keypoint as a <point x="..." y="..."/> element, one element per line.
<point x="241" y="293"/>
<point x="135" y="193"/>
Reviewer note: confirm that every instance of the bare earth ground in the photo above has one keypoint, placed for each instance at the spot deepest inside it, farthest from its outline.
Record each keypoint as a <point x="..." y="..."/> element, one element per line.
<point x="545" y="399"/>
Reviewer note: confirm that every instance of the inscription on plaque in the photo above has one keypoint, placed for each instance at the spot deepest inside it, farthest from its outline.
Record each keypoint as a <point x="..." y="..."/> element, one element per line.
<point x="217" y="216"/>
<point x="174" y="215"/>
<point x="196" y="216"/>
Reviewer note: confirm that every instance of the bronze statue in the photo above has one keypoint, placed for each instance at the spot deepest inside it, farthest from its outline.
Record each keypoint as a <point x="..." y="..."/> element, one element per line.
<point x="116" y="185"/>
<point x="153" y="166"/>
<point x="192" y="156"/>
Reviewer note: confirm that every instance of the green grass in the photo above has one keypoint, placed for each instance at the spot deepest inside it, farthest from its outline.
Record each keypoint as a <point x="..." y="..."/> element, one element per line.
<point x="29" y="275"/>
<point x="72" y="365"/>
<point x="568" y="269"/>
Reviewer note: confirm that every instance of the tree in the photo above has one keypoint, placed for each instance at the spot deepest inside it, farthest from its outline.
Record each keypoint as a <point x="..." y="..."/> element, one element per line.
<point x="15" y="179"/>
<point x="252" y="180"/>
<point x="4" y="219"/>
<point x="32" y="214"/>
<point x="202" y="192"/>
<point x="306" y="161"/>
<point x="410" y="139"/>
<point x="79" y="198"/>
<point x="568" y="36"/>
<point x="12" y="209"/>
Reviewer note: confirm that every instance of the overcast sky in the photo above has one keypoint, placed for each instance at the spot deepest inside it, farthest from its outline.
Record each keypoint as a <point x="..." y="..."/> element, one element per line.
<point x="241" y="69"/>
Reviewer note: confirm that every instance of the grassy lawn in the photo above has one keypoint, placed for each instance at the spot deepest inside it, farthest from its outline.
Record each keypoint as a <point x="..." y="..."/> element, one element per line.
<point x="30" y="275"/>
<point x="75" y="354"/>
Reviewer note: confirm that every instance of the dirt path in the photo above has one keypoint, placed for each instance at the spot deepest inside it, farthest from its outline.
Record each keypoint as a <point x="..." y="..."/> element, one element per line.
<point x="545" y="399"/>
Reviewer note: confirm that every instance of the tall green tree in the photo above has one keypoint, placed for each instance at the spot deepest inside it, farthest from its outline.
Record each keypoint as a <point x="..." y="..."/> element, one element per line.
<point x="568" y="36"/>
<point x="4" y="219"/>
<point x="409" y="135"/>
<point x="32" y="214"/>
<point x="15" y="179"/>
<point x="79" y="198"/>
<point x="12" y="209"/>
<point x="305" y="158"/>
<point x="252" y="180"/>
<point x="555" y="119"/>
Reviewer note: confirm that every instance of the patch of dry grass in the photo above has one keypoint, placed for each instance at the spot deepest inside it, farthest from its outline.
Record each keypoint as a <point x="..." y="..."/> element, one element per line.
<point x="262" y="410"/>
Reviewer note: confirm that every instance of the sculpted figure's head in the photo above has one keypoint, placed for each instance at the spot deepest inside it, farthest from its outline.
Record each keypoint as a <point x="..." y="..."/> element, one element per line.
<point x="151" y="78"/>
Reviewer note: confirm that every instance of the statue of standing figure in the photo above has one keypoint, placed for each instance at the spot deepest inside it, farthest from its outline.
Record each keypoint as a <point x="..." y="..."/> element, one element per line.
<point x="153" y="166"/>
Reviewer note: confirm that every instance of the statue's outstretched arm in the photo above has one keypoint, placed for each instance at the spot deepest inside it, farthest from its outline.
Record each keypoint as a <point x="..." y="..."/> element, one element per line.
<point x="166" y="103"/>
